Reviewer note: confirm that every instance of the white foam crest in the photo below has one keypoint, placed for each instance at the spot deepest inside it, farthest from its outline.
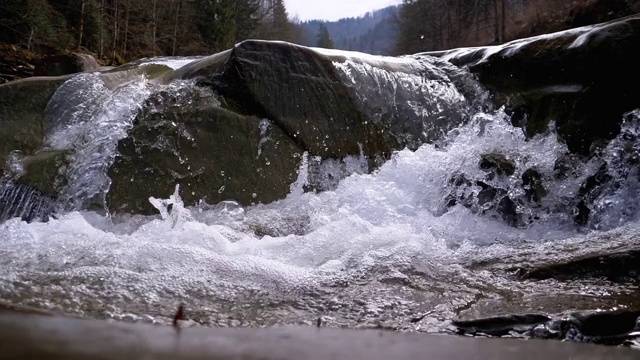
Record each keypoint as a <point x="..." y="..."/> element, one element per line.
<point x="618" y="202"/>
<point x="174" y="62"/>
<point x="410" y="189"/>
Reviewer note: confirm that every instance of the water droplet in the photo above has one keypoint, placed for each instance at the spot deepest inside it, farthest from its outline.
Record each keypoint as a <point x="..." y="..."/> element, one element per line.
<point x="254" y="195"/>
<point x="221" y="190"/>
<point x="268" y="163"/>
<point x="221" y="173"/>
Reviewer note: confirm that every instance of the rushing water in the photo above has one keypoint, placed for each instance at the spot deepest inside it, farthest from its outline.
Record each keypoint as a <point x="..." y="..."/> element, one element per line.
<point x="378" y="249"/>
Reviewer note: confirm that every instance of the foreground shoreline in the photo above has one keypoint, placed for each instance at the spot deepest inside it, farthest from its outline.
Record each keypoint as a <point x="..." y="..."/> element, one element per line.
<point x="34" y="335"/>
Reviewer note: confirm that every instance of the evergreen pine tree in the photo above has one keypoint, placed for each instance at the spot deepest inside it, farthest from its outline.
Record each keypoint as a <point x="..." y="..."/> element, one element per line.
<point x="27" y="22"/>
<point x="247" y="17"/>
<point x="281" y="25"/>
<point x="216" y="22"/>
<point x="324" y="38"/>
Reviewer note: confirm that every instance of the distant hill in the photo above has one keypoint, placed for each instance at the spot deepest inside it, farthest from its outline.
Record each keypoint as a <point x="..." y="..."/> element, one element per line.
<point x="374" y="33"/>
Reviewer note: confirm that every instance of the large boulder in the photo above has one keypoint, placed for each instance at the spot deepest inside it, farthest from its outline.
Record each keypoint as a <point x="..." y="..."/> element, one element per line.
<point x="31" y="110"/>
<point x="238" y="122"/>
<point x="583" y="79"/>
<point x="65" y="64"/>
<point x="295" y="87"/>
<point x="336" y="103"/>
<point x="213" y="153"/>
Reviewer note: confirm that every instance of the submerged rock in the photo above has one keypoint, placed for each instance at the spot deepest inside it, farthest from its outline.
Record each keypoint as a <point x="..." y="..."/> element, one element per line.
<point x="24" y="202"/>
<point x="533" y="185"/>
<point x="494" y="195"/>
<point x="497" y="164"/>
<point x="606" y="328"/>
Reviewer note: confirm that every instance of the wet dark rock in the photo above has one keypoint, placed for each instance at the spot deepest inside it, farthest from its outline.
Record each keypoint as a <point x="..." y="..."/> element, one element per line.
<point x="565" y="166"/>
<point x="65" y="64"/>
<point x="498" y="164"/>
<point x="620" y="266"/>
<point x="24" y="202"/>
<point x="589" y="190"/>
<point x="500" y="326"/>
<point x="572" y="78"/>
<point x="533" y="185"/>
<point x="22" y="108"/>
<point x="606" y="328"/>
<point x="490" y="200"/>
<point x="42" y="171"/>
<point x="376" y="101"/>
<point x="300" y="91"/>
<point x="214" y="154"/>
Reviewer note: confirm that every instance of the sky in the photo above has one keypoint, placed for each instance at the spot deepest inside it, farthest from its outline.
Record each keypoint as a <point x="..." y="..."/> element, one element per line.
<point x="333" y="9"/>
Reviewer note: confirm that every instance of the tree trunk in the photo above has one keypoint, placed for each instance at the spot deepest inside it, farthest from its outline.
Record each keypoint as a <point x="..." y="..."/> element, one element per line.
<point x="115" y="28"/>
<point x="126" y="29"/>
<point x="503" y="20"/>
<point x="154" y="27"/>
<point x="175" y="29"/>
<point x="499" y="8"/>
<point x="81" y="26"/>
<point x="101" y="26"/>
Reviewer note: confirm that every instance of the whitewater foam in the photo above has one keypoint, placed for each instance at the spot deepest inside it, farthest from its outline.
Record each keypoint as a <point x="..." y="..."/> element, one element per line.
<point x="383" y="240"/>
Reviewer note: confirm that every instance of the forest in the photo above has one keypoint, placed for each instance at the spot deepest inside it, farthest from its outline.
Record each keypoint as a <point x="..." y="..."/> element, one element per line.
<point x="443" y="24"/>
<point x="375" y="32"/>
<point x="129" y="29"/>
<point x="116" y="31"/>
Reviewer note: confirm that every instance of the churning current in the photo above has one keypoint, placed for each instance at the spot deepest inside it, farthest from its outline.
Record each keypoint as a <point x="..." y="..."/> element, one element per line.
<point x="379" y="249"/>
<point x="376" y="250"/>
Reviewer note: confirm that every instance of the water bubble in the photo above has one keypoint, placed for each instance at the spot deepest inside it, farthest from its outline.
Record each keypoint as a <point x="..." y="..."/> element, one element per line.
<point x="221" y="190"/>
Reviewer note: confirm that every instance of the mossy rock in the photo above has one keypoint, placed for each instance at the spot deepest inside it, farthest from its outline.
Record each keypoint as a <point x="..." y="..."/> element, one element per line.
<point x="22" y="108"/>
<point x="214" y="155"/>
<point x="42" y="171"/>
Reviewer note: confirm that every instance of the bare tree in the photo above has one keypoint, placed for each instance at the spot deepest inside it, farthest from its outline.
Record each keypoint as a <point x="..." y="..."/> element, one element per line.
<point x="175" y="28"/>
<point x="81" y="25"/>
